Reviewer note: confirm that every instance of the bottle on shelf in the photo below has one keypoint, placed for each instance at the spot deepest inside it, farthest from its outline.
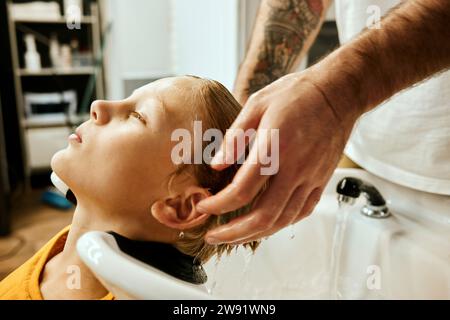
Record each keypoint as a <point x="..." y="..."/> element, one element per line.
<point x="74" y="47"/>
<point x="55" y="52"/>
<point x="32" y="57"/>
<point x="66" y="57"/>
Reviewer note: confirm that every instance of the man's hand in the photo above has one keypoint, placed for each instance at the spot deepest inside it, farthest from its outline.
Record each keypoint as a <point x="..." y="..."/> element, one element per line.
<point x="315" y="112"/>
<point x="312" y="137"/>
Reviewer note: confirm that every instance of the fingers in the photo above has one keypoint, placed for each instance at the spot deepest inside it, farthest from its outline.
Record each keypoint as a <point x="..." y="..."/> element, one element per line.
<point x="246" y="184"/>
<point x="300" y="206"/>
<point x="289" y="213"/>
<point x="228" y="153"/>
<point x="310" y="204"/>
<point x="262" y="217"/>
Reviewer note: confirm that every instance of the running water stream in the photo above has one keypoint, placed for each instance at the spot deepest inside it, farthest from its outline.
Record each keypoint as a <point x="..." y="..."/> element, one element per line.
<point x="336" y="249"/>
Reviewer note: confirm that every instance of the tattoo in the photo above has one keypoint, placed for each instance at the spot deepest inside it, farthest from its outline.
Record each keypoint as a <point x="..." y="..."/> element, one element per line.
<point x="285" y="32"/>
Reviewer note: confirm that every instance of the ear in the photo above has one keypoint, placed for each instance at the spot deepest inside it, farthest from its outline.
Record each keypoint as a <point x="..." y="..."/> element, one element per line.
<point x="179" y="212"/>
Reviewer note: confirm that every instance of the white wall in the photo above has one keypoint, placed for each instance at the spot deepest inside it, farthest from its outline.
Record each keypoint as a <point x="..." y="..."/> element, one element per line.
<point x="248" y="12"/>
<point x="139" y="46"/>
<point x="331" y="14"/>
<point x="206" y="39"/>
<point x="157" y="38"/>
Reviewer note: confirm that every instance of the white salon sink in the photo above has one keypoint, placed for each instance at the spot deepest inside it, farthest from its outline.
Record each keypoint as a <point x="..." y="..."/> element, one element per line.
<point x="405" y="256"/>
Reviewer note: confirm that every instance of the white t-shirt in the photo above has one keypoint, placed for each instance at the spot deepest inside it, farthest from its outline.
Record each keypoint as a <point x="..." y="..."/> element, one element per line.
<point x="406" y="139"/>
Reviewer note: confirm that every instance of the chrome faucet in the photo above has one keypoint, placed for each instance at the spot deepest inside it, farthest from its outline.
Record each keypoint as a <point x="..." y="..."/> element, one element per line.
<point x="350" y="188"/>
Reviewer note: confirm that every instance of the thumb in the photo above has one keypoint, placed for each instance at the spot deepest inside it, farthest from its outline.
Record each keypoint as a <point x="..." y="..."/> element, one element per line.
<point x="241" y="132"/>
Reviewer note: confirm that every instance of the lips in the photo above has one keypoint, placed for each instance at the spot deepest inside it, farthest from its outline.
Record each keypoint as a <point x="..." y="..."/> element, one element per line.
<point x="76" y="136"/>
<point x="78" y="133"/>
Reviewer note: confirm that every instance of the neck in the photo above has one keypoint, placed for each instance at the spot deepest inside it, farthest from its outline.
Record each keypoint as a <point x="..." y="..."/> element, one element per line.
<point x="54" y="284"/>
<point x="89" y="218"/>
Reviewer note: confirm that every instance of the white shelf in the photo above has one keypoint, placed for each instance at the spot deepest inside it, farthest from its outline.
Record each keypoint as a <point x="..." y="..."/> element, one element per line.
<point x="84" y="19"/>
<point x="56" y="72"/>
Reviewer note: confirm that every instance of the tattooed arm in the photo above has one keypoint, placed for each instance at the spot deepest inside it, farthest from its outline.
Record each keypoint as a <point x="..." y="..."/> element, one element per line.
<point x="283" y="34"/>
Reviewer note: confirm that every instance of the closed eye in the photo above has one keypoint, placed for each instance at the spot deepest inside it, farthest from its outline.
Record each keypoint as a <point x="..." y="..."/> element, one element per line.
<point x="138" y="116"/>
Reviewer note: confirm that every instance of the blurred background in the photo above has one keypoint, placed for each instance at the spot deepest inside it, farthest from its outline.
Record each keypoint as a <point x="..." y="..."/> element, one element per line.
<point x="59" y="56"/>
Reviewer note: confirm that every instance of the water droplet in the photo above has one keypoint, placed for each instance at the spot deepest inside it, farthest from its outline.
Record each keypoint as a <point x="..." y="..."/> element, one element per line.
<point x="214" y="277"/>
<point x="292" y="235"/>
<point x="213" y="286"/>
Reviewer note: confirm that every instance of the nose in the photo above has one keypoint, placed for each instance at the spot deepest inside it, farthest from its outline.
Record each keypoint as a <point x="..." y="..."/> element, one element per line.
<point x="100" y="113"/>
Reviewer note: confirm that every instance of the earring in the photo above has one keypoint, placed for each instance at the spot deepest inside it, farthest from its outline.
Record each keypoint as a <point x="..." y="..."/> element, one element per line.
<point x="181" y="235"/>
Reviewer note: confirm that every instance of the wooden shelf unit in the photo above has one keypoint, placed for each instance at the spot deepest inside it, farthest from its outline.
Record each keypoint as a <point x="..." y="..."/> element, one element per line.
<point x="40" y="125"/>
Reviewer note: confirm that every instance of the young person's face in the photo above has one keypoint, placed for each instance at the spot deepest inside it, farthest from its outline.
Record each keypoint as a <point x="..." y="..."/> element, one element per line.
<point x="123" y="159"/>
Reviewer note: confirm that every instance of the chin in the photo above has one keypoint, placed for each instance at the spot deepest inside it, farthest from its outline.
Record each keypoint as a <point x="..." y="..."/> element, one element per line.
<point x="71" y="170"/>
<point x="59" y="164"/>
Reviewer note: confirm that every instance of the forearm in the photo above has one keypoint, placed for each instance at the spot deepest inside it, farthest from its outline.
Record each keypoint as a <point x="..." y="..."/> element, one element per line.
<point x="412" y="44"/>
<point x="283" y="33"/>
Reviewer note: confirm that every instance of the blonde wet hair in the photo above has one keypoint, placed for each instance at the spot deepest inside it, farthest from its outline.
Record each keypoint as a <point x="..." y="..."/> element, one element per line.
<point x="216" y="108"/>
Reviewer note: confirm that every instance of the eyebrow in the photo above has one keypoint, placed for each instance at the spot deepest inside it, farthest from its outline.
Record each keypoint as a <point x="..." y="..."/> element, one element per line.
<point x="161" y="105"/>
<point x="145" y="112"/>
